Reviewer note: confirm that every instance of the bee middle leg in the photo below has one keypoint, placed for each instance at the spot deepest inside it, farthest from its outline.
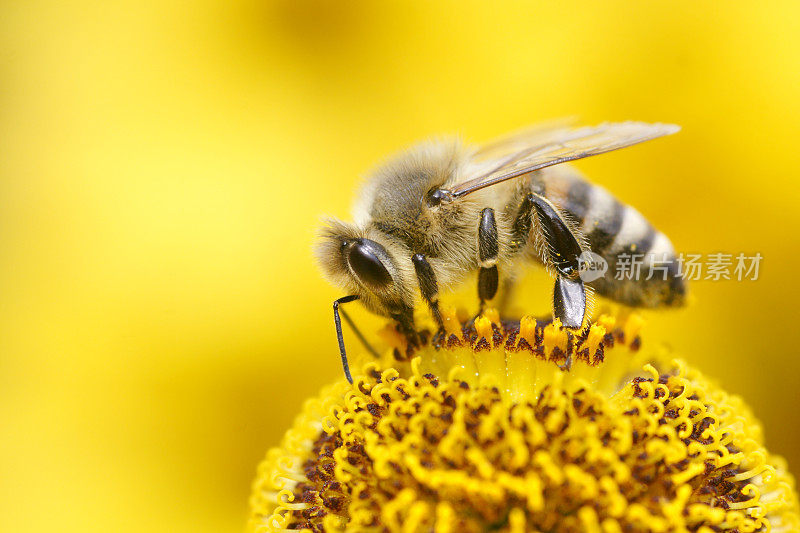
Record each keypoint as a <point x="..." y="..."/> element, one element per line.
<point x="487" y="258"/>
<point x="563" y="253"/>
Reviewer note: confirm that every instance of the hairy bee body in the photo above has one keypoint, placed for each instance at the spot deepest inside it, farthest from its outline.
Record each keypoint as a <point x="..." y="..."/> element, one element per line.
<point x="441" y="211"/>
<point x="393" y="211"/>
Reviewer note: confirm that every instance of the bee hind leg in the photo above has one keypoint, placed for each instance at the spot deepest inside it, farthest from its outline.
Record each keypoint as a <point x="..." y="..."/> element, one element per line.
<point x="569" y="302"/>
<point x="561" y="251"/>
<point x="564" y="251"/>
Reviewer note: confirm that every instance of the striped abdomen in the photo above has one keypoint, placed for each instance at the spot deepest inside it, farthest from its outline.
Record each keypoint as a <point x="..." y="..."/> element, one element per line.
<point x="633" y="248"/>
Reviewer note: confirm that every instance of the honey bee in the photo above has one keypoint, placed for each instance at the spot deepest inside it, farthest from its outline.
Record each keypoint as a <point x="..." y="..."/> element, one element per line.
<point x="441" y="210"/>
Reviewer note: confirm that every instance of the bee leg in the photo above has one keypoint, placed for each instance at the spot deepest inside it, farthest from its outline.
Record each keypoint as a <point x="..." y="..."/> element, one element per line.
<point x="487" y="257"/>
<point x="506" y="292"/>
<point x="404" y="316"/>
<point x="429" y="289"/>
<point x="563" y="250"/>
<point x="569" y="301"/>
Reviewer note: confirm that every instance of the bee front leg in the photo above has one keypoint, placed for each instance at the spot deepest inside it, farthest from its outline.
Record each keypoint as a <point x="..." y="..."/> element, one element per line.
<point x="404" y="316"/>
<point x="487" y="257"/>
<point x="339" y="310"/>
<point x="429" y="289"/>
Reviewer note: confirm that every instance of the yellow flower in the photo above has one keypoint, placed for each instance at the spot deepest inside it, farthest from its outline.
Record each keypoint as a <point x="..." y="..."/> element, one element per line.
<point x="525" y="427"/>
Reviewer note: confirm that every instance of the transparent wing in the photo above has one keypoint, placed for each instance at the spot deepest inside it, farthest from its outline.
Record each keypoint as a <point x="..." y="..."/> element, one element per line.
<point x="525" y="138"/>
<point x="543" y="147"/>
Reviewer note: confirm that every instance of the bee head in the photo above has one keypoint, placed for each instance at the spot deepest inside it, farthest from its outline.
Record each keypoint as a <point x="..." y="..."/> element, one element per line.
<point x="360" y="265"/>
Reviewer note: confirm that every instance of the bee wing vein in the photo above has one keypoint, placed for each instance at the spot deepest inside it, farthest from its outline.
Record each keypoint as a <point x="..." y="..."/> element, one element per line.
<point x="554" y="146"/>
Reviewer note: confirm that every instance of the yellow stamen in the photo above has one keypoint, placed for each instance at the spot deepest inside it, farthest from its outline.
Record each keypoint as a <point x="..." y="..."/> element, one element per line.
<point x="487" y="434"/>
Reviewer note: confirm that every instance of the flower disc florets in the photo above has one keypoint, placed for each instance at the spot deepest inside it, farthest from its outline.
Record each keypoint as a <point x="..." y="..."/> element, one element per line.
<point x="525" y="427"/>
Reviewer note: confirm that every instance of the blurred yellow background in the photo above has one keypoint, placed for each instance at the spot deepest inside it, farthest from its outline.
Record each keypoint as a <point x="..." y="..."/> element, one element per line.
<point x="164" y="166"/>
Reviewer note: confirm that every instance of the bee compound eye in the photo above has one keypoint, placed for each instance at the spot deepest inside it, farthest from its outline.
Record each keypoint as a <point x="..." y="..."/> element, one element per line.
<point x="365" y="260"/>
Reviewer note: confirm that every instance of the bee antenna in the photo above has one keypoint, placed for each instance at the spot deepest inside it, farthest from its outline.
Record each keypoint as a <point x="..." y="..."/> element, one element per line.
<point x="437" y="196"/>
